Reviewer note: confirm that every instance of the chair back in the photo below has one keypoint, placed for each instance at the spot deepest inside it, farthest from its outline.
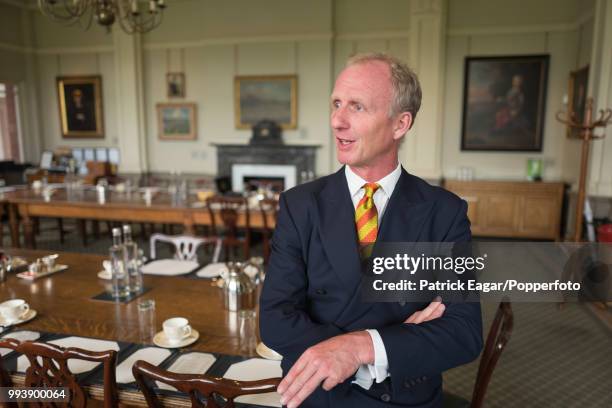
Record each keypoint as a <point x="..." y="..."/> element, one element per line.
<point x="268" y="208"/>
<point x="5" y="378"/>
<point x="228" y="209"/>
<point x="49" y="368"/>
<point x="269" y="211"/>
<point x="497" y="338"/>
<point x="185" y="246"/>
<point x="212" y="389"/>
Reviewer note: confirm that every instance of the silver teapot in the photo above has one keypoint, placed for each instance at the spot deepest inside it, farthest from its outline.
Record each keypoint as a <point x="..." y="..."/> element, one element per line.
<point x="239" y="289"/>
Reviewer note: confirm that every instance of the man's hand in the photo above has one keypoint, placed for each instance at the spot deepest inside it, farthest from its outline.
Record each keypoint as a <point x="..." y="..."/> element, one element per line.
<point x="332" y="361"/>
<point x="433" y="311"/>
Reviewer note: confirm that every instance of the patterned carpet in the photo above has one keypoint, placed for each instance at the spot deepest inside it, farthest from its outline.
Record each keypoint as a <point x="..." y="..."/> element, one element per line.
<point x="555" y="358"/>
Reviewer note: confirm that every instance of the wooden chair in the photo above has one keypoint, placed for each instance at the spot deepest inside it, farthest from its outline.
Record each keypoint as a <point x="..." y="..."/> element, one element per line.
<point x="198" y="385"/>
<point x="497" y="339"/>
<point x="49" y="368"/>
<point x="5" y="378"/>
<point x="185" y="246"/>
<point x="229" y="209"/>
<point x="269" y="211"/>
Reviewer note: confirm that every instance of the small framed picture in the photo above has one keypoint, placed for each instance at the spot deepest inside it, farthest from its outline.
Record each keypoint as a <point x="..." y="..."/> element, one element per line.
<point x="177" y="121"/>
<point x="271" y="97"/>
<point x="175" y="84"/>
<point x="101" y="154"/>
<point x="113" y="155"/>
<point x="46" y="159"/>
<point x="80" y="103"/>
<point x="89" y="154"/>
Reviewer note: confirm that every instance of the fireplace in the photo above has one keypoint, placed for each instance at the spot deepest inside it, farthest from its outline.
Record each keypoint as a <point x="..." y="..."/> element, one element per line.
<point x="279" y="177"/>
<point x="299" y="159"/>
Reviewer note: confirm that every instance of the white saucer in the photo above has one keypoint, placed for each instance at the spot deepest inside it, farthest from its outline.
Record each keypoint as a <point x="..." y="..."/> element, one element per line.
<point x="26" y="317"/>
<point x="104" y="275"/>
<point x="267" y="353"/>
<point x="161" y="340"/>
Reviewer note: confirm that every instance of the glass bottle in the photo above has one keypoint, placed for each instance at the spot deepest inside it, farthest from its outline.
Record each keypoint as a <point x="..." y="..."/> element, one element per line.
<point x="131" y="260"/>
<point x="120" y="279"/>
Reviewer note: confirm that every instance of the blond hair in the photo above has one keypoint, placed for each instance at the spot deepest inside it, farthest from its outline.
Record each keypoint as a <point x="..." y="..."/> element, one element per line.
<point x="405" y="83"/>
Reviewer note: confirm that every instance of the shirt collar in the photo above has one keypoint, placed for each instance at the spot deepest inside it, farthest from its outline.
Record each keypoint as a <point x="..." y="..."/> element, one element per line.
<point x="387" y="183"/>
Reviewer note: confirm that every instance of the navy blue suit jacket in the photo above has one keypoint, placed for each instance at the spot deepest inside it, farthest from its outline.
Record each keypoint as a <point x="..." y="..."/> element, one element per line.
<point x="311" y="292"/>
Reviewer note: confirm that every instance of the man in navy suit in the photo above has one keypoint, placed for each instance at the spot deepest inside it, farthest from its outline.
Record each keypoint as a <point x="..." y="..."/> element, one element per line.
<point x="339" y="351"/>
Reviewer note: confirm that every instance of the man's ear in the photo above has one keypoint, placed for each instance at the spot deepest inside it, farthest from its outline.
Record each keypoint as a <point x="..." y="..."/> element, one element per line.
<point x="403" y="123"/>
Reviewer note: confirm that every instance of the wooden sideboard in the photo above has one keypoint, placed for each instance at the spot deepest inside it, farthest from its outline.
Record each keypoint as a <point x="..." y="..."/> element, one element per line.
<point x="512" y="209"/>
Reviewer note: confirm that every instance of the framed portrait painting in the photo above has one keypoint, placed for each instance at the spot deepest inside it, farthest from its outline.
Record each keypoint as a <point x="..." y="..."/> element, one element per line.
<point x="504" y="102"/>
<point x="258" y="98"/>
<point x="578" y="88"/>
<point x="177" y="121"/>
<point x="175" y="84"/>
<point x="80" y="106"/>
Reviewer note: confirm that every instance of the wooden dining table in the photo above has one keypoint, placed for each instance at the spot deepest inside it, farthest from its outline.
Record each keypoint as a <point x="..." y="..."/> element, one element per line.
<point x="64" y="304"/>
<point x="24" y="205"/>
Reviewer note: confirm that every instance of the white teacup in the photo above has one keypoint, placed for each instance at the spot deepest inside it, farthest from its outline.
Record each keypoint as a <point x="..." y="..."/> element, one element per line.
<point x="13" y="310"/>
<point x="176" y="329"/>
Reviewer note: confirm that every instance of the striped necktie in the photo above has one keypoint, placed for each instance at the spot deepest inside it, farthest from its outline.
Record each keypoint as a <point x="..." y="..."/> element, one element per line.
<point x="366" y="219"/>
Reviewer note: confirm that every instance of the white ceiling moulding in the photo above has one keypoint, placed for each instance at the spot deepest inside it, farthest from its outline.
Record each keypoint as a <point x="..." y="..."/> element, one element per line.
<point x="238" y="40"/>
<point x="75" y="50"/>
<point x="373" y="35"/>
<point x="525" y="29"/>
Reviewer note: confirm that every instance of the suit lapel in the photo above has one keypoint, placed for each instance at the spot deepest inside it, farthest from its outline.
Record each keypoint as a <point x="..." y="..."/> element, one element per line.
<point x="406" y="213"/>
<point x="337" y="226"/>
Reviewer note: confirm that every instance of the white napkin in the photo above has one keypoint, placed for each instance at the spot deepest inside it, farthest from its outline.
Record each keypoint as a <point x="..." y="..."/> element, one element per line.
<point x="23" y="335"/>
<point x="189" y="363"/>
<point x="169" y="267"/>
<point x="217" y="269"/>
<point x="153" y="355"/>
<point x="256" y="369"/>
<point x="74" y="365"/>
<point x="212" y="270"/>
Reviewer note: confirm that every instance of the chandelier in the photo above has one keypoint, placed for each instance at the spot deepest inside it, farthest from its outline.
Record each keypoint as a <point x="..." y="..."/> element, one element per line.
<point x="134" y="16"/>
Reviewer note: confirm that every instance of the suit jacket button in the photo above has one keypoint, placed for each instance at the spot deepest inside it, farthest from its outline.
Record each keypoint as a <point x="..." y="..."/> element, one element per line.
<point x="321" y="292"/>
<point x="385" y="397"/>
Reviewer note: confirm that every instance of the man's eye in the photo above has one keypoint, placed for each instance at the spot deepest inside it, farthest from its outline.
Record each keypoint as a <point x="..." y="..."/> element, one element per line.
<point x="336" y="104"/>
<point x="358" y="107"/>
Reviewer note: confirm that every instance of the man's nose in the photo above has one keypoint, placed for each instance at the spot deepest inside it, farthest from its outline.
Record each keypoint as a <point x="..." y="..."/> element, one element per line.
<point x="338" y="119"/>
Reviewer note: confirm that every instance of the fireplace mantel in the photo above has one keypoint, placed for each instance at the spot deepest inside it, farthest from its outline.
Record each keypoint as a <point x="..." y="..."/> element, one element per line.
<point x="301" y="156"/>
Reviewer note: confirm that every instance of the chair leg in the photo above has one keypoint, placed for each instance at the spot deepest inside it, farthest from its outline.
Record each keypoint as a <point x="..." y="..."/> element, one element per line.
<point x="95" y="225"/>
<point x="83" y="231"/>
<point x="60" y="226"/>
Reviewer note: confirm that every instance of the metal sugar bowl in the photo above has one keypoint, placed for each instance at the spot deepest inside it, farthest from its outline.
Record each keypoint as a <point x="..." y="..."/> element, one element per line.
<point x="239" y="290"/>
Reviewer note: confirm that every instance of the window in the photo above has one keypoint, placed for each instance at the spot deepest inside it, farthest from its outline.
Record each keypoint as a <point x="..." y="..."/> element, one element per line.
<point x="11" y="147"/>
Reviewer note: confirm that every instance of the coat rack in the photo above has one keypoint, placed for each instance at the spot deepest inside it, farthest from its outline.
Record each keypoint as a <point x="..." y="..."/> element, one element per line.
<point x="586" y="134"/>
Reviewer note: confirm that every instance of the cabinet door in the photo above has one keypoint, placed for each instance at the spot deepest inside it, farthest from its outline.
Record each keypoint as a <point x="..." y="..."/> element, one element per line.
<point x="501" y="214"/>
<point x="473" y="210"/>
<point x="539" y="217"/>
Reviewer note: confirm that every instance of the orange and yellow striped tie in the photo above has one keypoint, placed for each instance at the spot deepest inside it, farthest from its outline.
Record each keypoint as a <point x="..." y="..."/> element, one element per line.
<point x="366" y="219"/>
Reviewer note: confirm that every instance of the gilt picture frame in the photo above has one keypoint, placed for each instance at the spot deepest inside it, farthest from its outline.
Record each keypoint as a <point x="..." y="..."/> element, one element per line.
<point x="265" y="97"/>
<point x="177" y="121"/>
<point x="80" y="106"/>
<point x="577" y="96"/>
<point x="504" y="103"/>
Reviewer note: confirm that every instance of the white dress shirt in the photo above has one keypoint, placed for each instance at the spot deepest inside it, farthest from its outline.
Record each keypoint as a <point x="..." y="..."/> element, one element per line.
<point x="367" y="373"/>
